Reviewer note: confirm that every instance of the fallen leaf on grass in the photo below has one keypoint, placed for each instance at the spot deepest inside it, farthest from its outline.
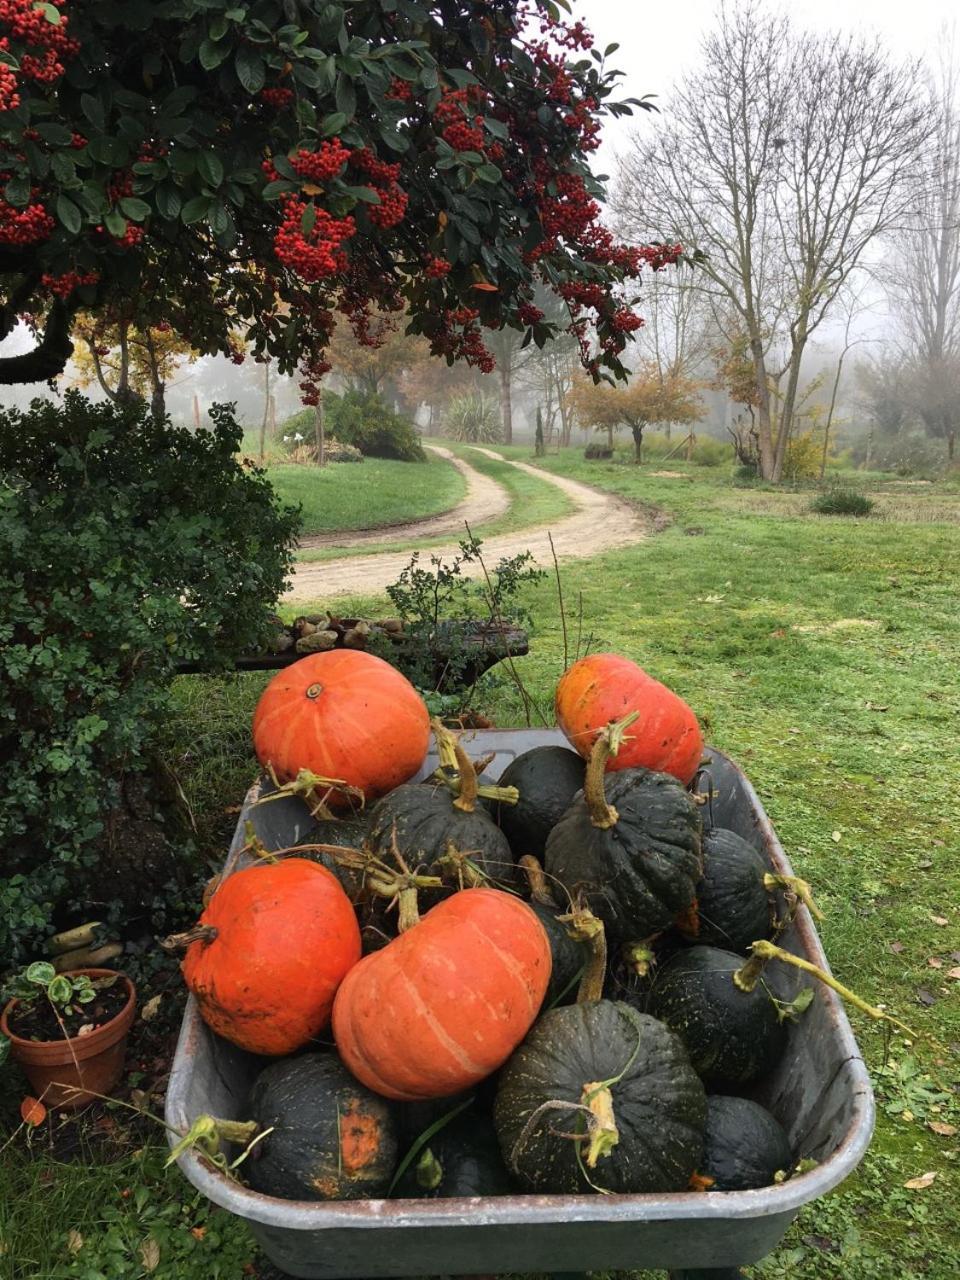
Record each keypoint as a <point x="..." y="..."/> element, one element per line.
<point x="32" y="1111"/>
<point x="836" y="837"/>
<point x="150" y="1253"/>
<point x="74" y="1240"/>
<point x="945" y="1130"/>
<point x="896" y="947"/>
<point x="954" y="973"/>
<point x="926" y="997"/>
<point x="198" y="1232"/>
<point x="921" y="1183"/>
<point x="940" y="920"/>
<point x="934" y="963"/>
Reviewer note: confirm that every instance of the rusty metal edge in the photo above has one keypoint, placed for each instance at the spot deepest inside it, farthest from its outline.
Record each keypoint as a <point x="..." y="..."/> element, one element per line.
<point x="364" y="1215"/>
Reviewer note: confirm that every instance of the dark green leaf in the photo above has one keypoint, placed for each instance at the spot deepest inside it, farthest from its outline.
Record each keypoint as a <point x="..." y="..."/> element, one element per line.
<point x="212" y="54"/>
<point x="64" y="169"/>
<point x="55" y="134"/>
<point x="346" y="96"/>
<point x="195" y="210"/>
<point x="92" y="108"/>
<point x="115" y="223"/>
<point x="332" y="123"/>
<point x="168" y="201"/>
<point x="273" y="190"/>
<point x="251" y="71"/>
<point x="488" y="173"/>
<point x="17" y="191"/>
<point x="68" y="215"/>
<point x="136" y="210"/>
<point x="210" y="168"/>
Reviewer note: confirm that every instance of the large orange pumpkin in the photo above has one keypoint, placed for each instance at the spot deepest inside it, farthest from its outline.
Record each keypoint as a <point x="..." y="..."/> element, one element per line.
<point x="445" y="1004"/>
<point x="605" y="687"/>
<point x="273" y="946"/>
<point x="346" y="715"/>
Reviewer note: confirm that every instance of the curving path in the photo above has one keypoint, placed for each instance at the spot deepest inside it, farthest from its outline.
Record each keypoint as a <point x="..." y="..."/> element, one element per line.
<point x="484" y="500"/>
<point x="599" y="523"/>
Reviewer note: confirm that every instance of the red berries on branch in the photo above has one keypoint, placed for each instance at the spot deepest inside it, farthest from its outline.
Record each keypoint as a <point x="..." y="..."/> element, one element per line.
<point x="24" y="226"/>
<point x="62" y="286"/>
<point x="323" y="164"/>
<point x="276" y="97"/>
<point x="436" y="268"/>
<point x="316" y="254"/>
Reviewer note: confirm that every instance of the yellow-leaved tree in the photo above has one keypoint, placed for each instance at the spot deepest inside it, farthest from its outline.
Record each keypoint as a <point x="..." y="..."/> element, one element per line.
<point x="647" y="399"/>
<point x="124" y="359"/>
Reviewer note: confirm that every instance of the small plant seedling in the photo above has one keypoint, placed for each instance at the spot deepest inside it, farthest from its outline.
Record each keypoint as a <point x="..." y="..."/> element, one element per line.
<point x="41" y="979"/>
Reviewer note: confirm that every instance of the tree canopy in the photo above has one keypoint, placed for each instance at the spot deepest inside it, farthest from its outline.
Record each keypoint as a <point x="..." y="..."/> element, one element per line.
<point x="650" y="397"/>
<point x="270" y="166"/>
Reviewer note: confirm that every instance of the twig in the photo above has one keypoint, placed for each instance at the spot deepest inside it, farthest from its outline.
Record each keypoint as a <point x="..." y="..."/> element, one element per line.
<point x="563" y="616"/>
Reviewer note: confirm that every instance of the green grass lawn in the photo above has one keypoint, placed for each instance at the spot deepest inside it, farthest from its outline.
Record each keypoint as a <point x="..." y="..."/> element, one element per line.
<point x="532" y="502"/>
<point x="370" y="494"/>
<point x="822" y="654"/>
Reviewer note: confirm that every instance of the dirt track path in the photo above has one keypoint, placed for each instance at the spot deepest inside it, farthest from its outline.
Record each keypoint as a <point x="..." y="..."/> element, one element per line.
<point x="484" y="500"/>
<point x="599" y="523"/>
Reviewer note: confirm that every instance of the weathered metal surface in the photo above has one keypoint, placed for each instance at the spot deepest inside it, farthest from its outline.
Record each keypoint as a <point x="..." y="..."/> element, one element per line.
<point x="820" y="1093"/>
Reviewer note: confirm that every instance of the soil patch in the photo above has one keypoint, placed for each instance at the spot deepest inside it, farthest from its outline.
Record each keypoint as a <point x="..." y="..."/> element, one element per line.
<point x="39" y="1020"/>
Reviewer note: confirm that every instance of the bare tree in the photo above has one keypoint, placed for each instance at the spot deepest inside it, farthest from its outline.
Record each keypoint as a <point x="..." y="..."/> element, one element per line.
<point x="782" y="157"/>
<point x="922" y="273"/>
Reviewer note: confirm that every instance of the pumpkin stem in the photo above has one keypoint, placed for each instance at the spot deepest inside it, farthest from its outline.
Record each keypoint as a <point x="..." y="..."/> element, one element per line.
<point x="536" y="879"/>
<point x="748" y="975"/>
<point x="314" y="789"/>
<point x="467" y="799"/>
<point x="585" y="927"/>
<point x="799" y="888"/>
<point x="608" y="743"/>
<point x="207" y="1132"/>
<point x="505" y="795"/>
<point x="408" y="912"/>
<point x="180" y="941"/>
<point x="602" y="1133"/>
<point x="429" y="1171"/>
<point x="459" y="864"/>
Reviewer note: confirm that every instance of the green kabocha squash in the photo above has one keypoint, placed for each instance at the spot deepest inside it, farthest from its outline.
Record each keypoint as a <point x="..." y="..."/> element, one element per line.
<point x="569" y="957"/>
<point x="331" y="1138"/>
<point x="629" y="847"/>
<point x="732" y="1036"/>
<point x="732" y="906"/>
<point x="462" y="1159"/>
<point x="547" y="779"/>
<point x="442" y="829"/>
<point x="744" y="1145"/>
<point x="600" y="1097"/>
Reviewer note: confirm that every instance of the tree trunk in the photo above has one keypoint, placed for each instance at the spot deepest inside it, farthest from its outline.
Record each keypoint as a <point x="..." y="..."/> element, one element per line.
<point x="196" y="412"/>
<point x="763" y="409"/>
<point x="789" y="402"/>
<point x="158" y="407"/>
<point x="318" y="427"/>
<point x="123" y="382"/>
<point x="637" y="442"/>
<point x="506" y="406"/>
<point x="266" y="409"/>
<point x="691" y="441"/>
<point x="951" y="445"/>
<point x="610" y="438"/>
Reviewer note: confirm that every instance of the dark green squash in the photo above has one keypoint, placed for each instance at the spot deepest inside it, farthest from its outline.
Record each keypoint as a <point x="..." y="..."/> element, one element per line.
<point x="332" y="1139"/>
<point x="348" y="833"/>
<point x="461" y="1159"/>
<point x="569" y="957"/>
<point x="732" y="907"/>
<point x="442" y="832"/>
<point x="744" y="1145"/>
<point x="548" y="779"/>
<point x="732" y="1036"/>
<point x="629" y="846"/>
<point x="647" y="1105"/>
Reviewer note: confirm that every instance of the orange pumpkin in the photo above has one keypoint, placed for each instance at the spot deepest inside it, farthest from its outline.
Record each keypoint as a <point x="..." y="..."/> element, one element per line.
<point x="445" y="1004"/>
<point x="344" y="714"/>
<point x="605" y="687"/>
<point x="273" y="946"/>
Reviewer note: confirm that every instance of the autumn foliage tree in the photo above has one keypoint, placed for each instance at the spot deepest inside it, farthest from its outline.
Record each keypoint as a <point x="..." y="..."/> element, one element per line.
<point x="281" y="164"/>
<point x="647" y="399"/>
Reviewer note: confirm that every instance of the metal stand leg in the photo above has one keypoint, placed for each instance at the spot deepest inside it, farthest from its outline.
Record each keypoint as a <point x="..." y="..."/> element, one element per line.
<point x="708" y="1273"/>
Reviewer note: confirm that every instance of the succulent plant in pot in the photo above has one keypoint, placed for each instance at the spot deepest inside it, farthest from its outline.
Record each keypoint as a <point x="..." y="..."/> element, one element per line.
<point x="68" y="1031"/>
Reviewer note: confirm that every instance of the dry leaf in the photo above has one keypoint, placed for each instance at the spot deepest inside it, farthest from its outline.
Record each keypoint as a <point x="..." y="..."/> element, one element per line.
<point x="86" y="1029"/>
<point x="836" y="837"/>
<point x="198" y="1232"/>
<point x="150" y="1008"/>
<point x="934" y="963"/>
<point x="32" y="1111"/>
<point x="907" y="1115"/>
<point x="954" y="973"/>
<point x="139" y="1099"/>
<point x="940" y="920"/>
<point x="150" y="1253"/>
<point x="945" y="1130"/>
<point x="74" y="1240"/>
<point x="921" y="1183"/>
<point x="896" y="947"/>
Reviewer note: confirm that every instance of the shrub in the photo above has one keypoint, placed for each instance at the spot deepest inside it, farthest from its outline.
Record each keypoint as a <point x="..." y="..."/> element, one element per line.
<point x="125" y="546"/>
<point x="361" y="419"/>
<point x="803" y="457"/>
<point x="598" y="449"/>
<point x="474" y="418"/>
<point x="708" y="452"/>
<point x="842" y="502"/>
<point x="745" y="474"/>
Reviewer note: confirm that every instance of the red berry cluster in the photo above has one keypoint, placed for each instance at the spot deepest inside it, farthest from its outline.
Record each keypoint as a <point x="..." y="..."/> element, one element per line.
<point x="571" y="211"/>
<point x="65" y="284"/>
<point x="119" y="186"/>
<point x="382" y="177"/>
<point x="78" y="141"/>
<point x="317" y="254"/>
<point x="130" y="238"/>
<point x="626" y="321"/>
<point x="9" y="97"/>
<point x="400" y="90"/>
<point x="580" y="294"/>
<point x="658" y="256"/>
<point x="436" y="268"/>
<point x="460" y="339"/>
<point x="581" y="117"/>
<point x="323" y="164"/>
<point x="276" y="97"/>
<point x="527" y="313"/>
<point x="42" y="47"/>
<point x="451" y="113"/>
<point x="24" y="226"/>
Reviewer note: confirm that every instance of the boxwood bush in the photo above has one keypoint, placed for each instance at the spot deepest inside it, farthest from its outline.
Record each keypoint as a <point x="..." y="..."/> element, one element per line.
<point x="842" y="502"/>
<point x="363" y="420"/>
<point x="126" y="545"/>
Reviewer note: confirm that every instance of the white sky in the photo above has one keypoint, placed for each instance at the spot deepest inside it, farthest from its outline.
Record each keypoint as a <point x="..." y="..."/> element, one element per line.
<point x="658" y="41"/>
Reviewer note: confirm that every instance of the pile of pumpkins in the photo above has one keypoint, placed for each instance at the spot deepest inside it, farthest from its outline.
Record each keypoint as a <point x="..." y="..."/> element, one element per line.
<point x="535" y="984"/>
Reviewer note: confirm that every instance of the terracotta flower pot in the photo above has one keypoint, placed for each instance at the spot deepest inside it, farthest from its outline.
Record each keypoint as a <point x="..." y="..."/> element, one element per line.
<point x="90" y="1064"/>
